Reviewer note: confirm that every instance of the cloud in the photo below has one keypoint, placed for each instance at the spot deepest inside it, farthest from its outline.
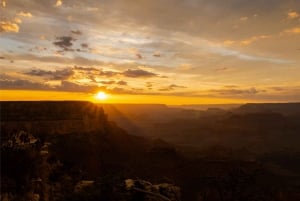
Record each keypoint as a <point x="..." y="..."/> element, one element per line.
<point x="295" y="30"/>
<point x="244" y="18"/>
<point x="94" y="71"/>
<point x="52" y="75"/>
<point x="222" y="69"/>
<point x="292" y="15"/>
<point x="176" y="86"/>
<point x="277" y="88"/>
<point x="76" y="32"/>
<point x="8" y="26"/>
<point x="108" y="82"/>
<point x="64" y="42"/>
<point x="24" y="14"/>
<point x="231" y="86"/>
<point x="93" y="74"/>
<point x="108" y="73"/>
<point x="195" y="36"/>
<point x="7" y="82"/>
<point x="138" y="73"/>
<point x="84" y="45"/>
<point x="3" y="3"/>
<point x="171" y="87"/>
<point x="132" y="73"/>
<point x="233" y="91"/>
<point x="58" y="3"/>
<point x="21" y="84"/>
<point x="149" y="84"/>
<point x="74" y="87"/>
<point x="85" y="68"/>
<point x="253" y="39"/>
<point x="121" y="82"/>
<point x="119" y="90"/>
<point x="138" y="55"/>
<point x="90" y="75"/>
<point x="13" y="24"/>
<point x="17" y="20"/>
<point x="228" y="42"/>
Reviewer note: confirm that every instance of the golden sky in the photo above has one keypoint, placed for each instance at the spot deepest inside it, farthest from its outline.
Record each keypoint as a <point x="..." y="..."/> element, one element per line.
<point x="166" y="51"/>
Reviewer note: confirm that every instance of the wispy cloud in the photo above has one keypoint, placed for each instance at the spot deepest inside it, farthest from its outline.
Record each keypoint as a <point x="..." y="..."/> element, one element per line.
<point x="76" y="32"/>
<point x="244" y="18"/>
<point x="253" y="39"/>
<point x="228" y="42"/>
<point x="138" y="73"/>
<point x="53" y="75"/>
<point x="295" y="30"/>
<point x="24" y="14"/>
<point x="234" y="91"/>
<point x="222" y="69"/>
<point x="121" y="82"/>
<point x="172" y="87"/>
<point x="9" y="26"/>
<point x="109" y="82"/>
<point x="3" y="3"/>
<point x="21" y="84"/>
<point x="292" y="15"/>
<point x="229" y="52"/>
<point x="58" y="3"/>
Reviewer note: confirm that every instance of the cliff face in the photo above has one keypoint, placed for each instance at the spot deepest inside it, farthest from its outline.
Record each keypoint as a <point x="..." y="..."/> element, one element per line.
<point x="51" y="117"/>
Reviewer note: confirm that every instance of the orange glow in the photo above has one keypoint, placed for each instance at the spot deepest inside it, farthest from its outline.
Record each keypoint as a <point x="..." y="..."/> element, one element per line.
<point x="31" y="95"/>
<point x="35" y="95"/>
<point x="101" y="95"/>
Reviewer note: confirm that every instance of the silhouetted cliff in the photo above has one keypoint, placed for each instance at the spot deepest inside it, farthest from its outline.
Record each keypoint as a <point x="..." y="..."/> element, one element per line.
<point x="50" y="117"/>
<point x="282" y="108"/>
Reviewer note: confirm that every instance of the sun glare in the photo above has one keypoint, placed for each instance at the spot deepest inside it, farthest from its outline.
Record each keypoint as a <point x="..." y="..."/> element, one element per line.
<point x="101" y="95"/>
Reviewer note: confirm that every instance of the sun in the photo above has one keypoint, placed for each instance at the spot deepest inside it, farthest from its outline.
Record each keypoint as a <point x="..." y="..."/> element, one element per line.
<point x="101" y="95"/>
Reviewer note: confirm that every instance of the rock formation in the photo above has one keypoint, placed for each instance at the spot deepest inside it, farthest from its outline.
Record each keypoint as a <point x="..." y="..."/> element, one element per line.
<point x="145" y="191"/>
<point x="49" y="117"/>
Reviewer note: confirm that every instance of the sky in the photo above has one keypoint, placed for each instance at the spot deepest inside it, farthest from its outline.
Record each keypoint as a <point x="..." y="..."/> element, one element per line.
<point x="142" y="51"/>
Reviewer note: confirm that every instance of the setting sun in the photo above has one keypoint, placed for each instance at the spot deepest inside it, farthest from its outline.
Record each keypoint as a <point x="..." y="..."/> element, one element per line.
<point x="101" y="95"/>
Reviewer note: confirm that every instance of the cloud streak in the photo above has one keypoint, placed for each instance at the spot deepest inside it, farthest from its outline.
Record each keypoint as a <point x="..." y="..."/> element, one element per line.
<point x="172" y="87"/>
<point x="233" y="91"/>
<point x="52" y="75"/>
<point x="293" y="15"/>
<point x="138" y="73"/>
<point x="24" y="14"/>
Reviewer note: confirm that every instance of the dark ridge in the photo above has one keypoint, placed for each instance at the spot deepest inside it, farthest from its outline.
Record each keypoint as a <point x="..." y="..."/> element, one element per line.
<point x="282" y="108"/>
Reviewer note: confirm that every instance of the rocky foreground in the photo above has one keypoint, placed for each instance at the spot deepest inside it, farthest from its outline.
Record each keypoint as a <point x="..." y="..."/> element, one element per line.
<point x="70" y="151"/>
